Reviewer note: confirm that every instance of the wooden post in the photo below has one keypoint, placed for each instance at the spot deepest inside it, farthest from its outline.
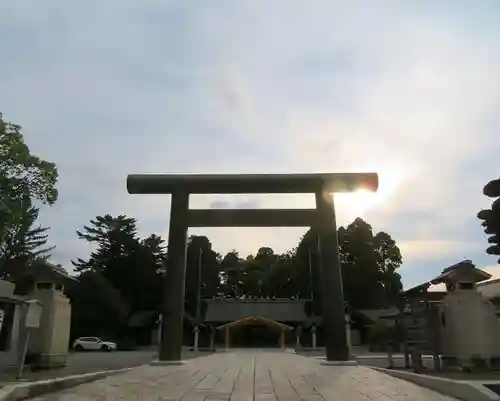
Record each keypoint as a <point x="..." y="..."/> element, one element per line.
<point x="196" y="337"/>
<point x="212" y="338"/>
<point x="226" y="337"/>
<point x="416" y="359"/>
<point x="348" y="331"/>
<point x="282" y="339"/>
<point x="390" y="356"/>
<point x="406" y="351"/>
<point x="389" y="345"/>
<point x="404" y="326"/>
<point x="314" y="337"/>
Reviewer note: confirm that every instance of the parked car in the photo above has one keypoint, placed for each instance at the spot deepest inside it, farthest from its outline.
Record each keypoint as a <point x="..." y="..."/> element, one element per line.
<point x="93" y="344"/>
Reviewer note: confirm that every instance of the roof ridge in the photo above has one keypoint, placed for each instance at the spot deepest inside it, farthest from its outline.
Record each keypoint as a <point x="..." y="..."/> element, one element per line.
<point x="495" y="280"/>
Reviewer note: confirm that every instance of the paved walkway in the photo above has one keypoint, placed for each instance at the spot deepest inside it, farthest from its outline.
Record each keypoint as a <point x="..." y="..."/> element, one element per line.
<point x="249" y="376"/>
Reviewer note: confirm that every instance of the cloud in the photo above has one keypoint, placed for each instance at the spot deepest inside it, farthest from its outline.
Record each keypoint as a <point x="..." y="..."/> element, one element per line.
<point x="418" y="250"/>
<point x="260" y="87"/>
<point x="245" y="203"/>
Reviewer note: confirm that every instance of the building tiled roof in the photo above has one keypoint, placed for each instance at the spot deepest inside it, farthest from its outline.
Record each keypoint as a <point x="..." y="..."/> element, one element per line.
<point x="44" y="270"/>
<point x="489" y="282"/>
<point x="463" y="269"/>
<point x="219" y="311"/>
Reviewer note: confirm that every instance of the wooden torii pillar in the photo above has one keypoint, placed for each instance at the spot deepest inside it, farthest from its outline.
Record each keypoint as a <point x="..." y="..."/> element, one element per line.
<point x="322" y="218"/>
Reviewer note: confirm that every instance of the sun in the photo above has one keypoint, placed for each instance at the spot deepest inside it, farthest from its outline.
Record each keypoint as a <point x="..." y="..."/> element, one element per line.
<point x="362" y="201"/>
<point x="357" y="203"/>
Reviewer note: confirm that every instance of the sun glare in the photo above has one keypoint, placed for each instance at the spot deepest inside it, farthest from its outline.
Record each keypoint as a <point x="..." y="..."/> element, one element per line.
<point x="358" y="202"/>
<point x="361" y="201"/>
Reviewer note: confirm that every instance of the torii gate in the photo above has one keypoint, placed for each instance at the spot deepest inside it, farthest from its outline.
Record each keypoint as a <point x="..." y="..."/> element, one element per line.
<point x="322" y="218"/>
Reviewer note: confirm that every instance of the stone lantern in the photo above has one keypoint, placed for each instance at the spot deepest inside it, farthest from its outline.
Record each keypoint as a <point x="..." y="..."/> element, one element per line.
<point x="45" y="282"/>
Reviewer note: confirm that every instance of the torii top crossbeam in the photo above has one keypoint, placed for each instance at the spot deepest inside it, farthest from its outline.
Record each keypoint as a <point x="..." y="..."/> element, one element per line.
<point x="250" y="183"/>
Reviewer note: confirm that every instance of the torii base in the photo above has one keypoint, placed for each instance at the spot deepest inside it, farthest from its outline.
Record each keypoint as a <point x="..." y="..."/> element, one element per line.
<point x="340" y="363"/>
<point x="166" y="363"/>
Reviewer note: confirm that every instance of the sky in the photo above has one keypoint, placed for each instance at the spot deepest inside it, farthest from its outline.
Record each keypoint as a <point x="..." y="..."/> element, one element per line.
<point x="408" y="89"/>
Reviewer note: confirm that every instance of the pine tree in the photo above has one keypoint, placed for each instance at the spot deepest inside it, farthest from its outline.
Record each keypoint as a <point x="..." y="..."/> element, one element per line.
<point x="115" y="238"/>
<point x="23" y="242"/>
<point x="131" y="265"/>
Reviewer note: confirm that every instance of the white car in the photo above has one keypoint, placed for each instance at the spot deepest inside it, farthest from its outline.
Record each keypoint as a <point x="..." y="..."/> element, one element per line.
<point x="93" y="344"/>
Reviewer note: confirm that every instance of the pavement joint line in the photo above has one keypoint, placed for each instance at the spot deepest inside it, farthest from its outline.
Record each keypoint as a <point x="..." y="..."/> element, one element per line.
<point x="460" y="389"/>
<point x="22" y="391"/>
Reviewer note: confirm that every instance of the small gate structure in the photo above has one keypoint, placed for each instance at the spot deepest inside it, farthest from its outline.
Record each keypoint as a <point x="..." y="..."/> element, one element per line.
<point x="322" y="218"/>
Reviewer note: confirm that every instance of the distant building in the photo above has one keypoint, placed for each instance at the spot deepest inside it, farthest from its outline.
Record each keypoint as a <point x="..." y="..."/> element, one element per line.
<point x="243" y="322"/>
<point x="256" y="322"/>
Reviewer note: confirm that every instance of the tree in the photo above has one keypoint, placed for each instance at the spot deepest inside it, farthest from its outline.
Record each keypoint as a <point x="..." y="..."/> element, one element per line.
<point x="20" y="168"/>
<point x="131" y="265"/>
<point x="305" y="273"/>
<point x="279" y="276"/>
<point x="97" y="307"/>
<point x="24" y="179"/>
<point x="114" y="237"/>
<point x="232" y="275"/>
<point x="256" y="271"/>
<point x="491" y="217"/>
<point x="154" y="249"/>
<point x="389" y="259"/>
<point x="134" y="267"/>
<point x="145" y="268"/>
<point x="263" y="275"/>
<point x="203" y="276"/>
<point x="23" y="241"/>
<point x="368" y="262"/>
<point x="362" y="286"/>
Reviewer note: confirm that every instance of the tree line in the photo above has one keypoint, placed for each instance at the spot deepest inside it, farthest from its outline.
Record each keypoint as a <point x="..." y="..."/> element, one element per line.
<point x="124" y="275"/>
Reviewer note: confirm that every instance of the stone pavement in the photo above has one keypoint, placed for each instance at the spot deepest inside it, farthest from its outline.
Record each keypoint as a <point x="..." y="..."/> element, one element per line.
<point x="249" y="376"/>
